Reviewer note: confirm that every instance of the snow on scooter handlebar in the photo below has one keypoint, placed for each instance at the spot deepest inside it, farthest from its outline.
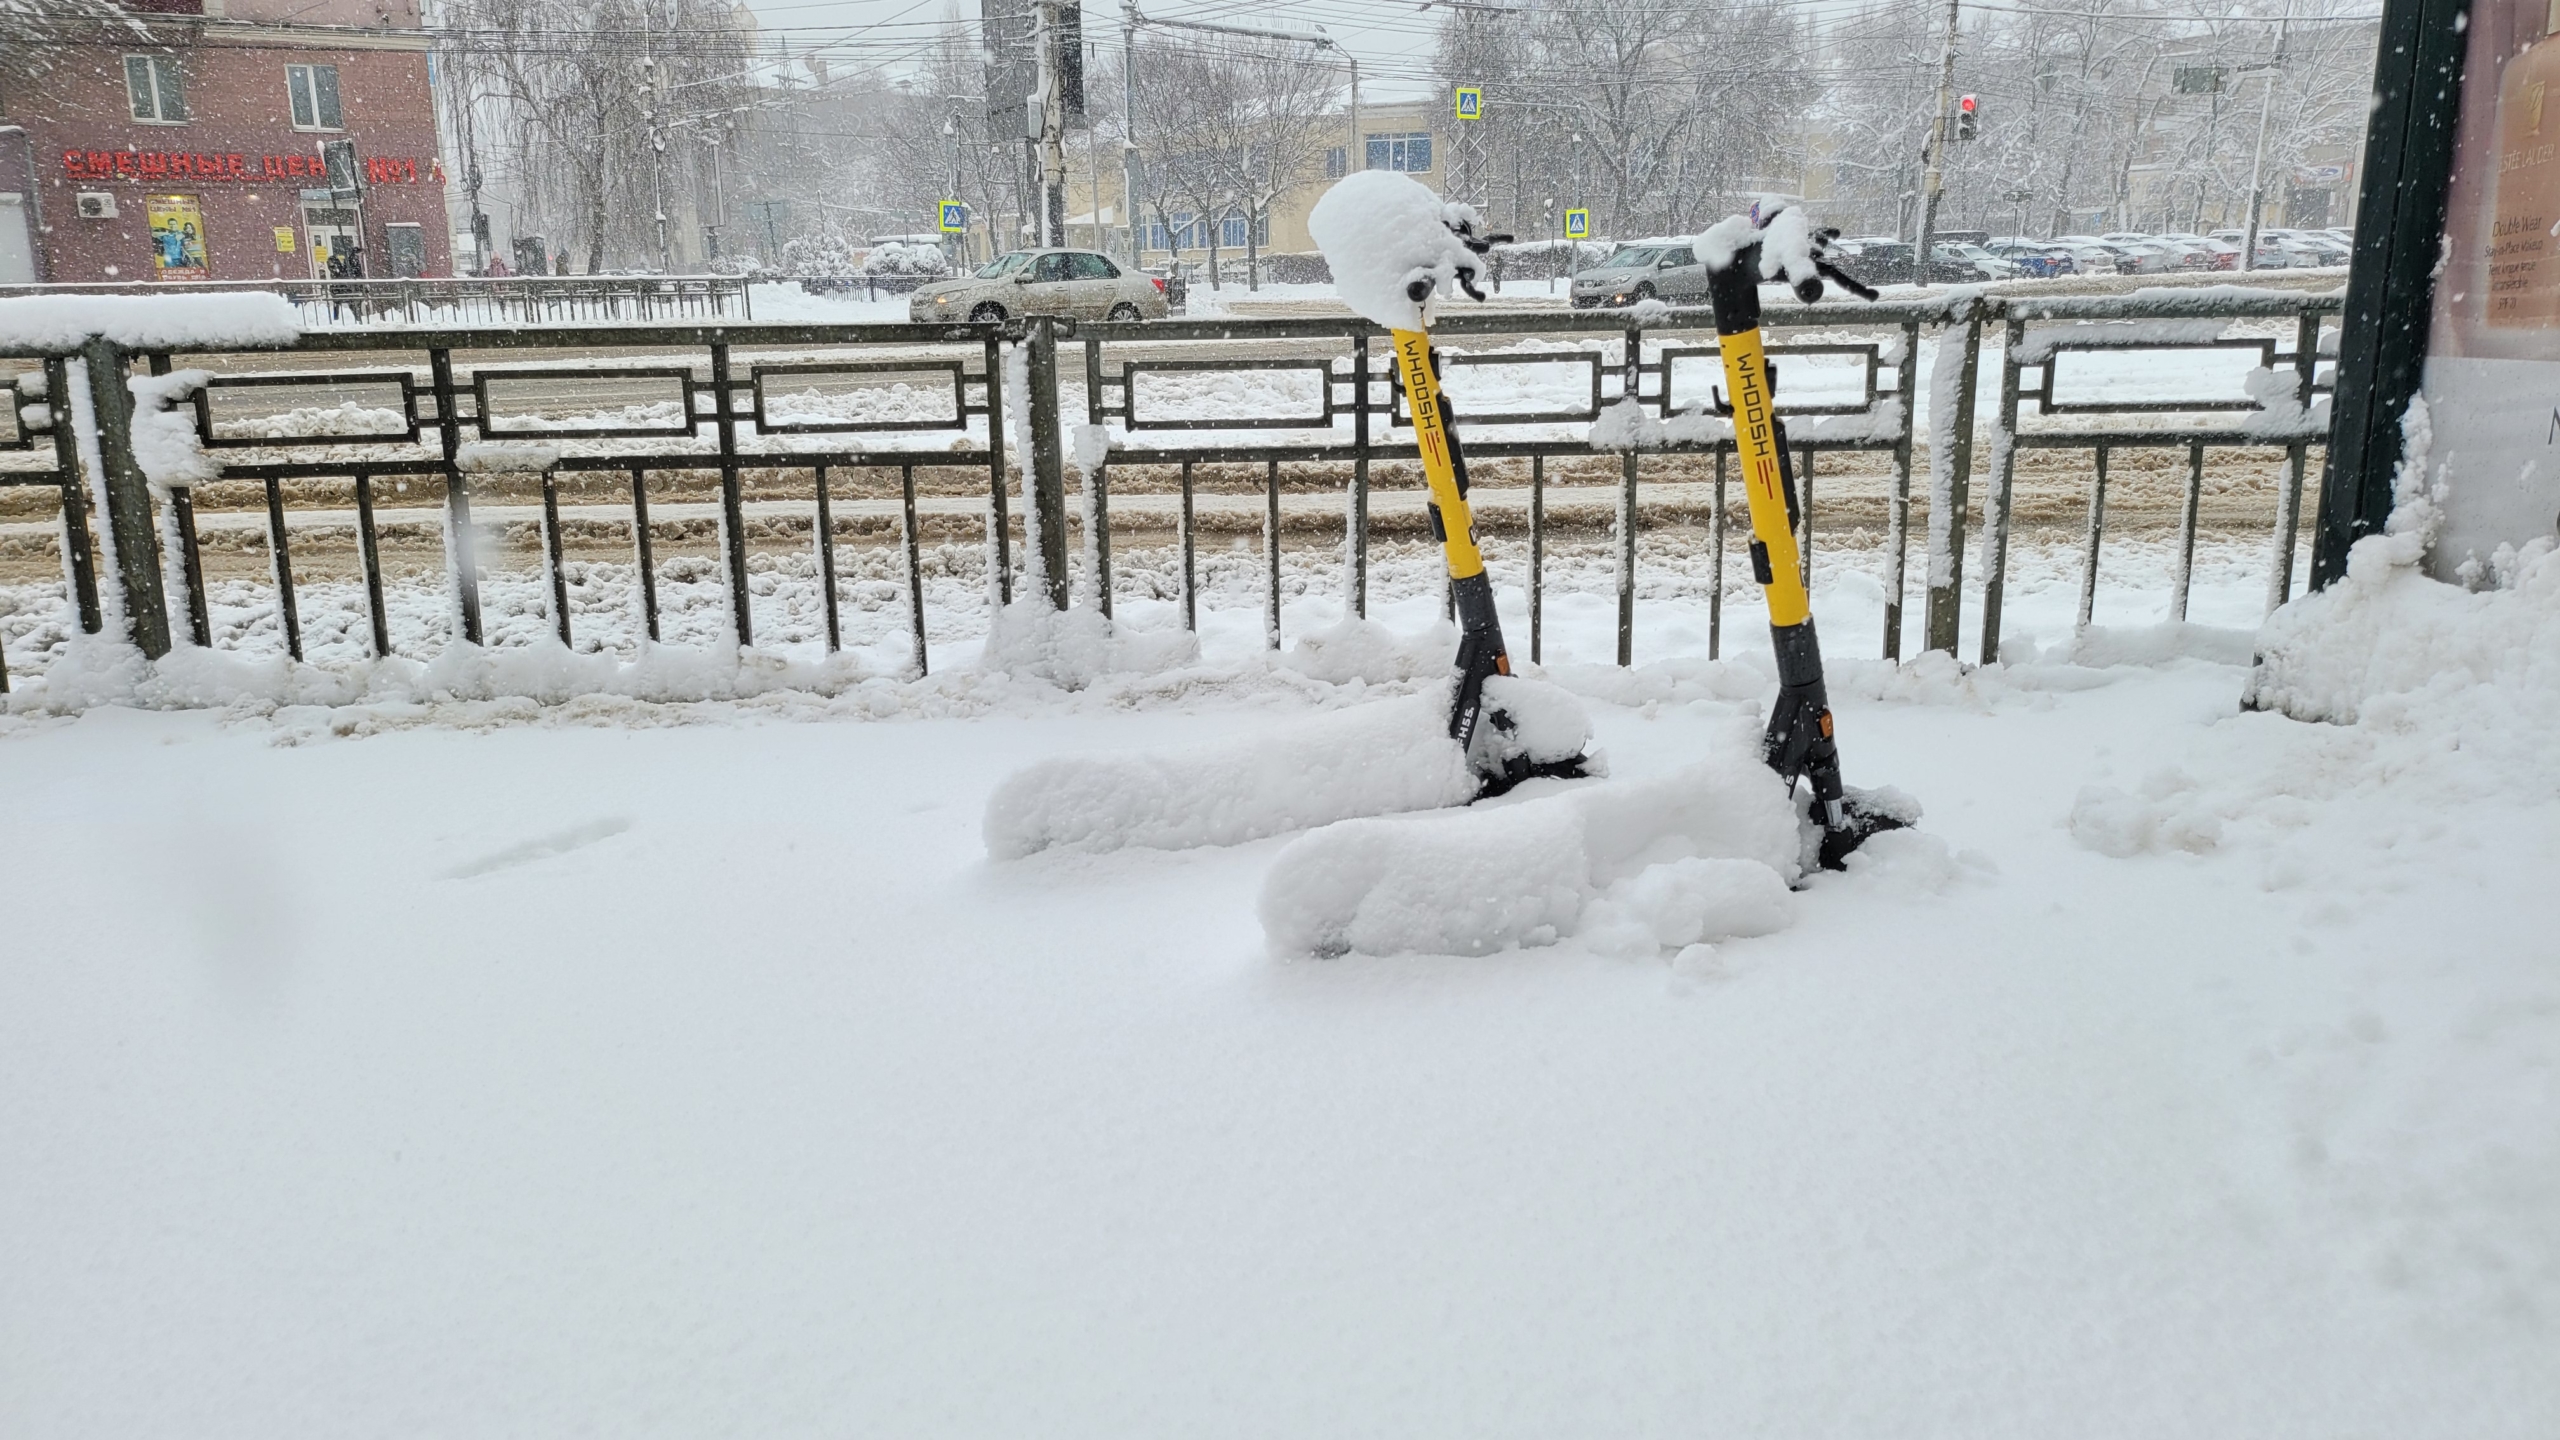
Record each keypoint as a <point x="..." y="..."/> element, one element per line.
<point x="1392" y="245"/>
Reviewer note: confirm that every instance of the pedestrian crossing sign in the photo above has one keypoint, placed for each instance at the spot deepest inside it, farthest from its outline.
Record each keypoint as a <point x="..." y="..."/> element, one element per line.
<point x="1577" y="224"/>
<point x="955" y="217"/>
<point x="1470" y="102"/>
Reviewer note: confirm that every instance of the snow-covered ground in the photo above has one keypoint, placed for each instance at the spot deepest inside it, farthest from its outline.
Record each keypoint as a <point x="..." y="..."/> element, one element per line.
<point x="476" y="1066"/>
<point x="772" y="300"/>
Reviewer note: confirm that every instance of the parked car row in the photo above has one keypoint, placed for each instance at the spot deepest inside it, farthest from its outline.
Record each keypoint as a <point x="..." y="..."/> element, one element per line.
<point x="1667" y="268"/>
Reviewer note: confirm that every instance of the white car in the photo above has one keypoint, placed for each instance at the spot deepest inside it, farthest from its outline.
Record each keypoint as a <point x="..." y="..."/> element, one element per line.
<point x="2219" y="254"/>
<point x="2276" y="251"/>
<point x="1966" y="255"/>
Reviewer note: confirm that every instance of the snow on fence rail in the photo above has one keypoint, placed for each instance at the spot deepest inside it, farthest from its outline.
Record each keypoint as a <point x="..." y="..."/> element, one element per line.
<point x="463" y="300"/>
<point x="798" y="406"/>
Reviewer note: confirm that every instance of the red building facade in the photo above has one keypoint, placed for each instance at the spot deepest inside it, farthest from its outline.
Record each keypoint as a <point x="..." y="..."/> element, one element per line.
<point x="193" y="145"/>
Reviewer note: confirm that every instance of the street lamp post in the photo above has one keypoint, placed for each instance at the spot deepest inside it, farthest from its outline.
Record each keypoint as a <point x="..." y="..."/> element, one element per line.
<point x="2258" y="155"/>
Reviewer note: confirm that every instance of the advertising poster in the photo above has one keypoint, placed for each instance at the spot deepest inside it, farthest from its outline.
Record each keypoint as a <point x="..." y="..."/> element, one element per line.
<point x="177" y="237"/>
<point x="2493" y="356"/>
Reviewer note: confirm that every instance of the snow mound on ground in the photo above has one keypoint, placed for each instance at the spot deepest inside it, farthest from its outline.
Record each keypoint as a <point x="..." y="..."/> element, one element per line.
<point x="2423" y="686"/>
<point x="62" y="323"/>
<point x="2392" y="632"/>
<point x="95" y="671"/>
<point x="1364" y="650"/>
<point x="1380" y="231"/>
<point x="1074" y="647"/>
<point x="1381" y="758"/>
<point x="2103" y="646"/>
<point x="2428" y="655"/>
<point x="1374" y="759"/>
<point x="1697" y="900"/>
<point x="1496" y="878"/>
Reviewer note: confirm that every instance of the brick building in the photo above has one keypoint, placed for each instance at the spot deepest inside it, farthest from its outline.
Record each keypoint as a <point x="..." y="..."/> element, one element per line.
<point x="190" y="143"/>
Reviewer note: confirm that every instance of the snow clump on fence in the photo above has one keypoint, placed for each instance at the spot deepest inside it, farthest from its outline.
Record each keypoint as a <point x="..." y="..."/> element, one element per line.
<point x="62" y="323"/>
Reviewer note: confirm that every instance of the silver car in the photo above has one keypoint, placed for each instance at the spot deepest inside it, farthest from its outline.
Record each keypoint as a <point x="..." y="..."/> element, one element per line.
<point x="1644" y="270"/>
<point x="1070" y="284"/>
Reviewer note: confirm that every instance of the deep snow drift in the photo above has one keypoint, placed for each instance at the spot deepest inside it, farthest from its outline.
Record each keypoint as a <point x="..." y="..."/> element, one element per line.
<point x="1378" y="758"/>
<point x="1505" y="875"/>
<point x="465" y="1065"/>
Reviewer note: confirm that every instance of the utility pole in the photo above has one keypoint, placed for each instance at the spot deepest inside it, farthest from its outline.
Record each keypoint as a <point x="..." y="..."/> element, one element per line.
<point x="1933" y="179"/>
<point x="1573" y="261"/>
<point x="1356" y="158"/>
<point x="1051" y="126"/>
<point x="1129" y="125"/>
<point x="2258" y="156"/>
<point x="955" y="246"/>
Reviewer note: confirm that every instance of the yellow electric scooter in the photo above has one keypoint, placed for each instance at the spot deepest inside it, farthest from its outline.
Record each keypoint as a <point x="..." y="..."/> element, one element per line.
<point x="1799" y="743"/>
<point x="1481" y="652"/>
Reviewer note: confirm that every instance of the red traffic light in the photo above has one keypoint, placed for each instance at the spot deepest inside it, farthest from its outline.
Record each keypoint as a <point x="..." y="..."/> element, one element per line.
<point x="1965" y="104"/>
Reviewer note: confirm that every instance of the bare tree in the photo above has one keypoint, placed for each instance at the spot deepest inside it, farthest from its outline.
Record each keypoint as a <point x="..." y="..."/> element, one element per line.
<point x="1679" y="105"/>
<point x="602" y="109"/>
<point x="2083" y="123"/>
<point x="1240" y="122"/>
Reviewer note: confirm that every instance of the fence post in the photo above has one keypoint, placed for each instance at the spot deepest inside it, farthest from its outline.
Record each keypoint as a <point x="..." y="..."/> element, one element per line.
<point x="75" y="498"/>
<point x="1897" y="525"/>
<point x="733" y="519"/>
<point x="128" y="498"/>
<point x="1951" y="470"/>
<point x="459" y="557"/>
<point x="999" y="535"/>
<point x="2306" y="360"/>
<point x="1097" y="483"/>
<point x="1356" y="534"/>
<point x="1631" y="391"/>
<point x="2004" y="469"/>
<point x="1048" y="464"/>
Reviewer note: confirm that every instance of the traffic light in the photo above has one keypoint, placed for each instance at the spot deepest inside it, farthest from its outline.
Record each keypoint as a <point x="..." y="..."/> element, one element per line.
<point x="1967" y="109"/>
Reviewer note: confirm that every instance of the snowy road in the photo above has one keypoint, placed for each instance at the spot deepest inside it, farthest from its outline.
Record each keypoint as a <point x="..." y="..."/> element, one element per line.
<point x="586" y="1074"/>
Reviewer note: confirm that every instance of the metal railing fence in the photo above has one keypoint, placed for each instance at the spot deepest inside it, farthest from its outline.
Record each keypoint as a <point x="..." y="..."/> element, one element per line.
<point x="466" y="300"/>
<point x="800" y="406"/>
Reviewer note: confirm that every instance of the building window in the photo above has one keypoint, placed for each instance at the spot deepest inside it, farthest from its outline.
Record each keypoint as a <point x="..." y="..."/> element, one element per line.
<point x="315" y="96"/>
<point x="1231" y="232"/>
<point x="1337" y="162"/>
<point x="1409" y="153"/>
<point x="151" y="84"/>
<point x="1183" y="235"/>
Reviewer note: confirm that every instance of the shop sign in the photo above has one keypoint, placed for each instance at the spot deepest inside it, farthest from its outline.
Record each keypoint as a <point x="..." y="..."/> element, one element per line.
<point x="243" y="169"/>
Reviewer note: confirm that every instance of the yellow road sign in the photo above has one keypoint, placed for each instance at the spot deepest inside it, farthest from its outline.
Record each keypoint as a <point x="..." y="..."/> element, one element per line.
<point x="1470" y="102"/>
<point x="1577" y="224"/>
